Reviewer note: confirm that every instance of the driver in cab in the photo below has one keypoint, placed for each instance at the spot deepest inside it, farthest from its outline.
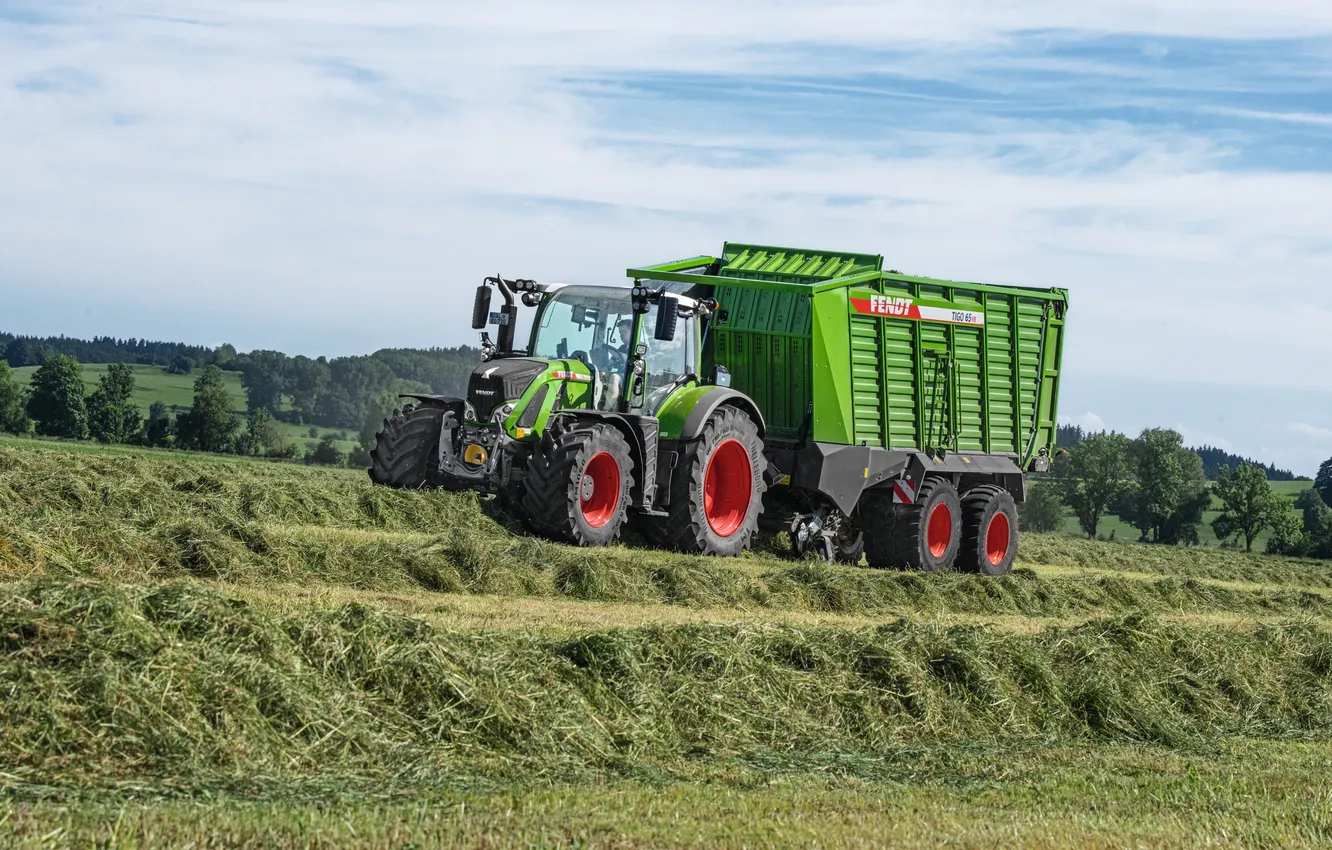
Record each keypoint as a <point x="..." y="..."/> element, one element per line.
<point x="618" y="364"/>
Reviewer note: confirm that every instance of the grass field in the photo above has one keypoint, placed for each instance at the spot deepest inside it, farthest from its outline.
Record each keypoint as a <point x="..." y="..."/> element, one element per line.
<point x="217" y="653"/>
<point x="153" y="384"/>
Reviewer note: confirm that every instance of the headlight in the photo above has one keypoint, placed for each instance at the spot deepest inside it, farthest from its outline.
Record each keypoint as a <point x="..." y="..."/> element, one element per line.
<point x="503" y="411"/>
<point x="469" y="412"/>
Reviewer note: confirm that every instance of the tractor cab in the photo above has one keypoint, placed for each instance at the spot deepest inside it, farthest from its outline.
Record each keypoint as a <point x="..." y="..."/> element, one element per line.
<point x="625" y="345"/>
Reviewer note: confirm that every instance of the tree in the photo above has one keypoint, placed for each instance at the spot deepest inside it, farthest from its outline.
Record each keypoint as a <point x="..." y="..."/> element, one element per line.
<point x="26" y="352"/>
<point x="306" y="381"/>
<point x="1043" y="510"/>
<point x="1169" y="495"/>
<point x="1248" y="504"/>
<point x="1287" y="536"/>
<point x="354" y="381"/>
<point x="263" y="435"/>
<point x="264" y="375"/>
<point x="13" y="413"/>
<point x="157" y="428"/>
<point x="55" y="399"/>
<point x="180" y="365"/>
<point x="226" y="355"/>
<point x="112" y="415"/>
<point x="326" y="453"/>
<point x="209" y="426"/>
<point x="1323" y="481"/>
<point x="1092" y="476"/>
<point x="1317" y="521"/>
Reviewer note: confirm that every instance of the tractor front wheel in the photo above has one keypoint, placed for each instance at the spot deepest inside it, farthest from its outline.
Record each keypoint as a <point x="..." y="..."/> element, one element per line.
<point x="577" y="485"/>
<point x="716" y="494"/>
<point x="406" y="447"/>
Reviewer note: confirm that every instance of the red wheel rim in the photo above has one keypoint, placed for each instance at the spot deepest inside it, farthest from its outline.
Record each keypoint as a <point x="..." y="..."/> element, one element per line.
<point x="599" y="490"/>
<point x="728" y="487"/>
<point x="939" y="530"/>
<point x="996" y="539"/>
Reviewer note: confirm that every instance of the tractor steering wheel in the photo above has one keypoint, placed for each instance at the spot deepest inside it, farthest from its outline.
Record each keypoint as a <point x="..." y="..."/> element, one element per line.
<point x="604" y="358"/>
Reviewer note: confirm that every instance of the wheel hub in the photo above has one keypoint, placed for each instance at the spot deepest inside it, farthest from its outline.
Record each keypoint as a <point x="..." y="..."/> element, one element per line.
<point x="727" y="488"/>
<point x="599" y="489"/>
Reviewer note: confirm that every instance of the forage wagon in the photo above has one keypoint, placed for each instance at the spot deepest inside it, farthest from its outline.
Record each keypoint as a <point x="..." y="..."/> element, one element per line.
<point x="865" y="411"/>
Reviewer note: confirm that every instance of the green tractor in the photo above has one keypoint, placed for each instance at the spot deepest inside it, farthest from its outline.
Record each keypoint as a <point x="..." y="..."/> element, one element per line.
<point x="866" y="412"/>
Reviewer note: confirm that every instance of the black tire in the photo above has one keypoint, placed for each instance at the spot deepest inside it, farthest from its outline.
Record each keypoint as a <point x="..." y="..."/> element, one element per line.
<point x="729" y="532"/>
<point x="850" y="546"/>
<point x="988" y="509"/>
<point x="878" y="515"/>
<point x="900" y="535"/>
<point x="917" y="547"/>
<point x="407" y="447"/>
<point x="577" y="485"/>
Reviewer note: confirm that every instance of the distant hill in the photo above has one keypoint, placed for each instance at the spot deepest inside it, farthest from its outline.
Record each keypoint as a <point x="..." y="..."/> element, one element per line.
<point x="1213" y="458"/>
<point x="332" y="393"/>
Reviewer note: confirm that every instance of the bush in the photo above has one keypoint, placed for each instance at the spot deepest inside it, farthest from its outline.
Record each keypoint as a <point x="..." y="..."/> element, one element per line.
<point x="326" y="453"/>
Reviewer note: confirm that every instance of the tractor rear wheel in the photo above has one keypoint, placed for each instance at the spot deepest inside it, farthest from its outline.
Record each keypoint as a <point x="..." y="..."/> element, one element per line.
<point x="406" y="447"/>
<point x="989" y="531"/>
<point x="716" y="494"/>
<point x="577" y="485"/>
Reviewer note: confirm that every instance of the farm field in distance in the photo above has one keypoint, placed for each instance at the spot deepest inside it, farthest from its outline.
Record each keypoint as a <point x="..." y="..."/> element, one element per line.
<point x="154" y="384"/>
<point x="198" y="649"/>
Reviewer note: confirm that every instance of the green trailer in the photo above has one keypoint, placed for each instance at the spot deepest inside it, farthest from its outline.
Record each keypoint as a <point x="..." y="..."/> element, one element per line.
<point x="866" y="412"/>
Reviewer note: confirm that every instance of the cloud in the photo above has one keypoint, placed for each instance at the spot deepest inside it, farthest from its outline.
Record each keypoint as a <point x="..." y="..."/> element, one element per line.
<point x="1089" y="421"/>
<point x="1304" y="429"/>
<point x="334" y="177"/>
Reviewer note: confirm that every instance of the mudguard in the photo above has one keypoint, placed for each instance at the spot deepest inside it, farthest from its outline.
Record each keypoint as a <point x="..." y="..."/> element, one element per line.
<point x="686" y="412"/>
<point x="443" y="401"/>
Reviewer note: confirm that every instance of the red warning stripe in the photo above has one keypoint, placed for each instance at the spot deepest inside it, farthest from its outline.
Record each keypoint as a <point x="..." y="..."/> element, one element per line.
<point x="904" y="492"/>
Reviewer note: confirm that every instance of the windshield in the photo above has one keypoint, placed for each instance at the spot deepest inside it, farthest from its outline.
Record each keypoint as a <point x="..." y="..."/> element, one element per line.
<point x="588" y="323"/>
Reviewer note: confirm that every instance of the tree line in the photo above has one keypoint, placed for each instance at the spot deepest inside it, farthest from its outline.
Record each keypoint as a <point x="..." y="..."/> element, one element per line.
<point x="329" y="393"/>
<point x="1160" y="487"/>
<point x="56" y="404"/>
<point x="20" y="351"/>
<point x="1213" y="458"/>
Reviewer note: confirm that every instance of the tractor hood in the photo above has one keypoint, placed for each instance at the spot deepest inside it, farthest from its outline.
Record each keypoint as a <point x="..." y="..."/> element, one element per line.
<point x="499" y="381"/>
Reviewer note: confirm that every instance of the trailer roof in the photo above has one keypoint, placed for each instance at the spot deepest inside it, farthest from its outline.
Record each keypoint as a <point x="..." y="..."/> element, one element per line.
<point x="797" y="270"/>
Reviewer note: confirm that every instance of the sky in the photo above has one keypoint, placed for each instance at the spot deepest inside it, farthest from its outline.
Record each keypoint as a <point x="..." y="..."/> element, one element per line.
<point x="334" y="177"/>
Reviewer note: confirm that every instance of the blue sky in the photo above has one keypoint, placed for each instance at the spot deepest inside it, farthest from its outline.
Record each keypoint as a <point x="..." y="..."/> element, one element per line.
<point x="334" y="177"/>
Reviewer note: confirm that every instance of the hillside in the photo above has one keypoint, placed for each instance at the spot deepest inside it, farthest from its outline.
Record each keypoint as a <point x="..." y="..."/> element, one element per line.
<point x="153" y="384"/>
<point x="196" y="647"/>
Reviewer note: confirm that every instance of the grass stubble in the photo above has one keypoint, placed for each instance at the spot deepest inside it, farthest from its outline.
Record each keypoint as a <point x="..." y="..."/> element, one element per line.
<point x="248" y="654"/>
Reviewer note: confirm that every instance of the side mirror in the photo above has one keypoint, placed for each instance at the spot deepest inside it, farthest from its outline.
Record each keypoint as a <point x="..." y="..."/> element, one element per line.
<point x="481" y="307"/>
<point x="668" y="312"/>
<point x="578" y="315"/>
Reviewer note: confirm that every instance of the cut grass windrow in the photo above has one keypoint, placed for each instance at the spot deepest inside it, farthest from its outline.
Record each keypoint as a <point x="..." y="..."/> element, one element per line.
<point x="144" y="519"/>
<point x="181" y="684"/>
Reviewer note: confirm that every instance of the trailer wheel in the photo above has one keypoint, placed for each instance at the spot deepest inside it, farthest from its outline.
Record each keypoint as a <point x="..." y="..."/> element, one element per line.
<point x="577" y="485"/>
<point x="406" y="446"/>
<point x="989" y="531"/>
<point x="924" y="536"/>
<point x="878" y="515"/>
<point x="717" y="491"/>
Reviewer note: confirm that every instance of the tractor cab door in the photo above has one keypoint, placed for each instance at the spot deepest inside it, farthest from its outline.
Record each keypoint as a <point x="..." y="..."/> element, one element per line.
<point x="665" y="363"/>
